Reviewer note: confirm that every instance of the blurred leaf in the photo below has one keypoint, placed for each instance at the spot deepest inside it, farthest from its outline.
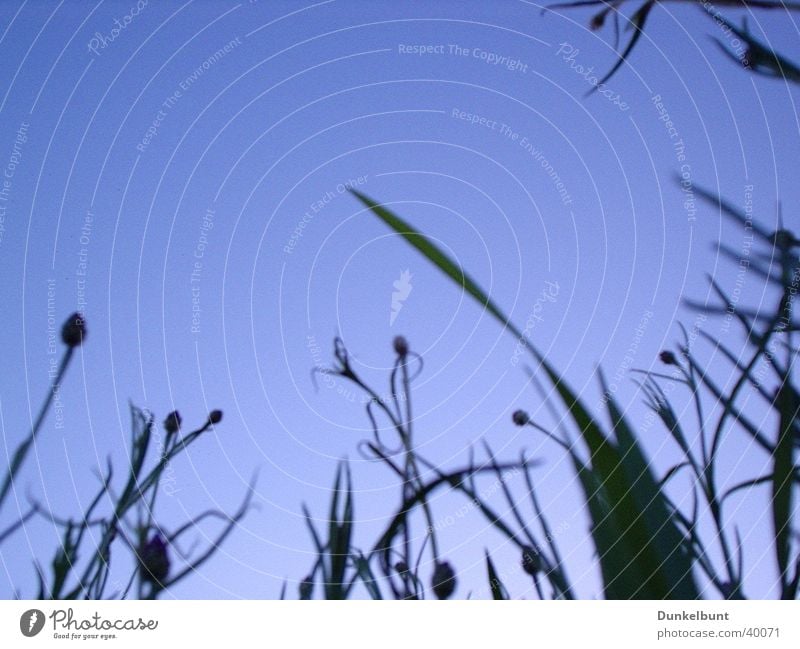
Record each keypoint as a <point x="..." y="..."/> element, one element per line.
<point x="759" y="58"/>
<point x="63" y="561"/>
<point x="637" y="22"/>
<point x="732" y="213"/>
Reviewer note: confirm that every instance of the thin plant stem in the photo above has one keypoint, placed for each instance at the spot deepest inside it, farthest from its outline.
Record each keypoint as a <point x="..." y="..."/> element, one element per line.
<point x="23" y="449"/>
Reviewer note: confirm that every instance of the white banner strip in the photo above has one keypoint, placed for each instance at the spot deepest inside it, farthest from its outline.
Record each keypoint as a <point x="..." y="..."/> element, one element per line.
<point x="387" y="625"/>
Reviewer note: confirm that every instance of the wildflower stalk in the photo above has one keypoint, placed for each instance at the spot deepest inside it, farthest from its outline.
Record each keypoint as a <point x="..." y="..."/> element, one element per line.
<point x="24" y="448"/>
<point x="135" y="491"/>
<point x="400" y="416"/>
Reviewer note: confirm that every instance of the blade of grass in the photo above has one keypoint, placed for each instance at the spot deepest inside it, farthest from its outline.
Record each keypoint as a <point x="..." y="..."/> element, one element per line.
<point x="783" y="472"/>
<point x="499" y="591"/>
<point x="668" y="542"/>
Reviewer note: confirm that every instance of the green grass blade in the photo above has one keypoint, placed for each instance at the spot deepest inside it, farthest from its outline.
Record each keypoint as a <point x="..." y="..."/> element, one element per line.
<point x="339" y="538"/>
<point x="671" y="565"/>
<point x="788" y="405"/>
<point x="606" y="534"/>
<point x="498" y="589"/>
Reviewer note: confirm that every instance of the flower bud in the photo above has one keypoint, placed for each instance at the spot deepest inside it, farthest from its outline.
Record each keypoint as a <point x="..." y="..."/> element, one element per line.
<point x="520" y="417"/>
<point x="154" y="561"/>
<point x="531" y="562"/>
<point x="668" y="358"/>
<point x="597" y="21"/>
<point x="74" y="330"/>
<point x="172" y="424"/>
<point x="443" y="581"/>
<point x="215" y="416"/>
<point x="400" y="345"/>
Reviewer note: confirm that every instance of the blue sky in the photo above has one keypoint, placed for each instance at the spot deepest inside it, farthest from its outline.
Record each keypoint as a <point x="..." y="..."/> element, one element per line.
<point x="166" y="165"/>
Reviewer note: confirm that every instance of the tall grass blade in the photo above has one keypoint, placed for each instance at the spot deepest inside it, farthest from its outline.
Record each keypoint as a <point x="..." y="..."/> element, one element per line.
<point x="669" y="547"/>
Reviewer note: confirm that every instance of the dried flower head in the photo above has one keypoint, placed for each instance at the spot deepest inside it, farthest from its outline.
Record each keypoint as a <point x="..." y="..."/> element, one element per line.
<point x="520" y="417"/>
<point x="154" y="561"/>
<point x="215" y="416"/>
<point x="172" y="423"/>
<point x="74" y="330"/>
<point x="400" y="345"/>
<point x="443" y="581"/>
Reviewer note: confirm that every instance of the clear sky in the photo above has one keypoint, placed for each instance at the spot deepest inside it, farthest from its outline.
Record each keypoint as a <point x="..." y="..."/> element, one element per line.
<point x="176" y="171"/>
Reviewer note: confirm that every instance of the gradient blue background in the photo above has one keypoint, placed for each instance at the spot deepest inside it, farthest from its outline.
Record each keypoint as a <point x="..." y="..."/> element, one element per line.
<point x="315" y="95"/>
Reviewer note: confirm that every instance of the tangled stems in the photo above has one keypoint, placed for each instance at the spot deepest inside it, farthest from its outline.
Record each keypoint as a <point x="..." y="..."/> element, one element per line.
<point x="146" y="540"/>
<point x="400" y="417"/>
<point x="393" y="548"/>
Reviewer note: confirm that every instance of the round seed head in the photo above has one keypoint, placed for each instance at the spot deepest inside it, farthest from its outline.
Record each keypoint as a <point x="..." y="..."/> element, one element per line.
<point x="668" y="358"/>
<point x="74" y="330"/>
<point x="520" y="417"/>
<point x="172" y="424"/>
<point x="443" y="581"/>
<point x="400" y="345"/>
<point x="154" y="561"/>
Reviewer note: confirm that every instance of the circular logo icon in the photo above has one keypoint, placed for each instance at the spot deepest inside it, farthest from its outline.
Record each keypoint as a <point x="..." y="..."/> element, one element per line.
<point x="31" y="622"/>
